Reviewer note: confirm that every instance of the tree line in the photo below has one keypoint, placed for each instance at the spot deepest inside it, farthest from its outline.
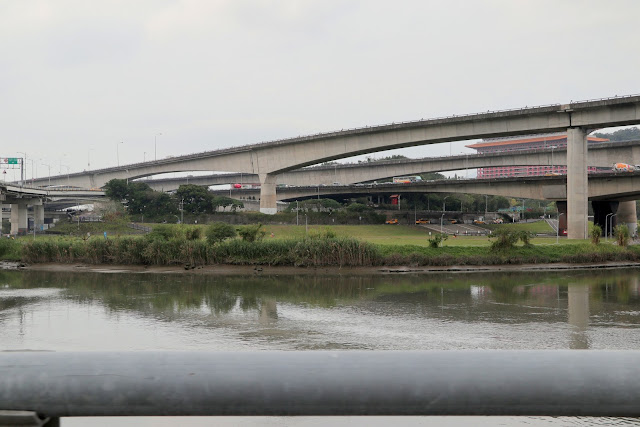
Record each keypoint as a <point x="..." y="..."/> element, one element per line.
<point x="140" y="199"/>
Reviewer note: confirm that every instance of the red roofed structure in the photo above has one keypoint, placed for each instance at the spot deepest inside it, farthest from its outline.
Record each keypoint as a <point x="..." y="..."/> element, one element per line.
<point x="526" y="142"/>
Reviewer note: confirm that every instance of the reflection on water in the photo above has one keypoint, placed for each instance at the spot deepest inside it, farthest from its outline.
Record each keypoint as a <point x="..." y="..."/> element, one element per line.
<point x="93" y="311"/>
<point x="79" y="311"/>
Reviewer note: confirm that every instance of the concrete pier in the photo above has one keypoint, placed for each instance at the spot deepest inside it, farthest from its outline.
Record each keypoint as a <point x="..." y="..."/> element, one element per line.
<point x="38" y="217"/>
<point x="577" y="184"/>
<point x="627" y="215"/>
<point x="18" y="218"/>
<point x="268" y="194"/>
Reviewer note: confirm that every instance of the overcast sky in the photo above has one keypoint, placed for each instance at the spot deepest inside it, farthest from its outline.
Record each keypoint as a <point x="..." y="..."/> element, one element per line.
<point x="77" y="77"/>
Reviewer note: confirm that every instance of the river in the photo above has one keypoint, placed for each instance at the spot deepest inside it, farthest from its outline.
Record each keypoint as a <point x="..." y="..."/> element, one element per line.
<point x="71" y="311"/>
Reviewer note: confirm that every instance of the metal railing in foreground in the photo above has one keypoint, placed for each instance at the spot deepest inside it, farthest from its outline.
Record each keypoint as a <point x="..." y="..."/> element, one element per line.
<point x="568" y="383"/>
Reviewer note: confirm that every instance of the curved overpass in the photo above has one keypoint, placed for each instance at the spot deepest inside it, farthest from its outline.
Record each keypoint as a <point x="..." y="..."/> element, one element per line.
<point x="622" y="186"/>
<point x="600" y="155"/>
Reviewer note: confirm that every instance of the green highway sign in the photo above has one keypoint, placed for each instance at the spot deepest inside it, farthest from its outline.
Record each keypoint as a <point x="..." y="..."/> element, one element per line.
<point x="12" y="161"/>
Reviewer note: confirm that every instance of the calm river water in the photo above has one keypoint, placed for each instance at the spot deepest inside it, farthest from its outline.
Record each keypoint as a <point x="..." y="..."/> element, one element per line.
<point x="120" y="311"/>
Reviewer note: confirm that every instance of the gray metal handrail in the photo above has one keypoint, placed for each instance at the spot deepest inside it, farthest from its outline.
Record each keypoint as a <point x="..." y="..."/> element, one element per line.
<point x="570" y="383"/>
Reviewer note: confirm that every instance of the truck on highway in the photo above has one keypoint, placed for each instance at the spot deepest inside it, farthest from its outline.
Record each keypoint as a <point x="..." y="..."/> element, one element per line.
<point x="625" y="167"/>
<point x="406" y="179"/>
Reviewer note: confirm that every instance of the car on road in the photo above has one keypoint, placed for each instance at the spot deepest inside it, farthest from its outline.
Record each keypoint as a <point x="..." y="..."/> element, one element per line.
<point x="422" y="221"/>
<point x="391" y="221"/>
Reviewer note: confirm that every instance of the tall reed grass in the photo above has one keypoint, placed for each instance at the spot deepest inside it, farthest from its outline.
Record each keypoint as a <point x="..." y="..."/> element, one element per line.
<point x="315" y="251"/>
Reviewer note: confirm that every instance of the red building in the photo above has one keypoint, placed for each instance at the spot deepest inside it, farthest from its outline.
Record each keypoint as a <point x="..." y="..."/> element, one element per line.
<point x="526" y="142"/>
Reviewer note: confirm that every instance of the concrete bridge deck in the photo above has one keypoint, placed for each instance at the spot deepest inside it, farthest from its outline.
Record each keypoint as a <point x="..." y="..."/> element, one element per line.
<point x="600" y="155"/>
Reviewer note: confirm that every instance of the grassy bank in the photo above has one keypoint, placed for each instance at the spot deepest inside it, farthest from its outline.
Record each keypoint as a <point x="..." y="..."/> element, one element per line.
<point x="313" y="246"/>
<point x="144" y="251"/>
<point x="305" y="252"/>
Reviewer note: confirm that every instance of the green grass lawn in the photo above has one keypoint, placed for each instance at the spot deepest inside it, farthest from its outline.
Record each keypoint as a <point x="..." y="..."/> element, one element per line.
<point x="405" y="234"/>
<point x="388" y="235"/>
<point x="537" y="227"/>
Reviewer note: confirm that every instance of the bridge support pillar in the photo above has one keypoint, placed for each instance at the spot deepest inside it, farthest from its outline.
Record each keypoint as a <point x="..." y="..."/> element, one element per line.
<point x="18" y="218"/>
<point x="38" y="217"/>
<point x="268" y="194"/>
<point x="577" y="184"/>
<point x="627" y="215"/>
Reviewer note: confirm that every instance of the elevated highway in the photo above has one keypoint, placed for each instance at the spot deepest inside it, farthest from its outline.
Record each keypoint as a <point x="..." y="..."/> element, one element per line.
<point x="621" y="186"/>
<point x="600" y="155"/>
<point x="19" y="198"/>
<point x="269" y="159"/>
<point x="611" y="193"/>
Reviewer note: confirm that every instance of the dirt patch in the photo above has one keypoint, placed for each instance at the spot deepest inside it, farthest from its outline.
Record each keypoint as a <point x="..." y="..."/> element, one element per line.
<point x="244" y="270"/>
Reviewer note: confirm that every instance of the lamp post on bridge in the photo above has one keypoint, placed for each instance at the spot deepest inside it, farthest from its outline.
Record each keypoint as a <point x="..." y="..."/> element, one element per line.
<point x="68" y="169"/>
<point x="155" y="145"/>
<point x="49" y="166"/>
<point x="89" y="158"/>
<point x="118" y="152"/>
<point x="22" y="167"/>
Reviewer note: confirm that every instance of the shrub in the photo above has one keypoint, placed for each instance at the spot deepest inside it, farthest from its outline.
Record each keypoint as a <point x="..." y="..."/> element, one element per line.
<point x="251" y="233"/>
<point x="219" y="231"/>
<point x="193" y="233"/>
<point x="506" y="239"/>
<point x="595" y="234"/>
<point x="437" y="239"/>
<point x="326" y="233"/>
<point x="9" y="249"/>
<point x="622" y="234"/>
<point x="161" y="232"/>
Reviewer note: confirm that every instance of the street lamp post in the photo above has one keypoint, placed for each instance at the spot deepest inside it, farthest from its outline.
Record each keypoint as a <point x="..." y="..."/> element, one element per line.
<point x="23" y="172"/>
<point x="68" y="169"/>
<point x="89" y="158"/>
<point x="49" y="166"/>
<point x="606" y="223"/>
<point x="558" y="227"/>
<point x="32" y="171"/>
<point x="611" y="225"/>
<point x="155" y="145"/>
<point x="118" y="152"/>
<point x="441" y="219"/>
<point x="444" y="204"/>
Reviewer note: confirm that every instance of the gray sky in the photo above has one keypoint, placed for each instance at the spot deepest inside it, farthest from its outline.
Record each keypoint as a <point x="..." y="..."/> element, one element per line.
<point x="77" y="77"/>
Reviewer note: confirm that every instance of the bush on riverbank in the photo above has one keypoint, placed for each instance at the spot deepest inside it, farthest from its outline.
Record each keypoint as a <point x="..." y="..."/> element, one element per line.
<point x="9" y="250"/>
